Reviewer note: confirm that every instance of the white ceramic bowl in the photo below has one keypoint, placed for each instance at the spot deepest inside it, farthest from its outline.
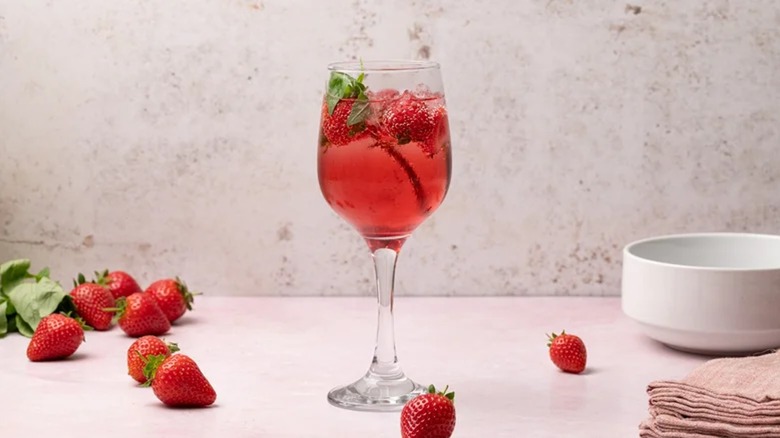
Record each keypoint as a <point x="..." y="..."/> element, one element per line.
<point x="711" y="293"/>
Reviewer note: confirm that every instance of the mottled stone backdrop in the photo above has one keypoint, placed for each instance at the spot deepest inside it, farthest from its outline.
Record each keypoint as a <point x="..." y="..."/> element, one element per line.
<point x="179" y="136"/>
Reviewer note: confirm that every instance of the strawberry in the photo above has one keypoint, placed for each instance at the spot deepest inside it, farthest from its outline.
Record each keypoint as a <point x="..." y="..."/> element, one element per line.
<point x="178" y="381"/>
<point x="141" y="349"/>
<point x="139" y="315"/>
<point x="408" y="119"/>
<point x="345" y="110"/>
<point x="567" y="352"/>
<point x="56" y="337"/>
<point x="119" y="283"/>
<point x="430" y="415"/>
<point x="172" y="296"/>
<point x="91" y="301"/>
<point x="441" y="132"/>
<point x="335" y="127"/>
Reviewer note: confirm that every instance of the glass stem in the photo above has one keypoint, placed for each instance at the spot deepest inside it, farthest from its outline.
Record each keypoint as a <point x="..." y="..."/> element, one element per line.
<point x="385" y="363"/>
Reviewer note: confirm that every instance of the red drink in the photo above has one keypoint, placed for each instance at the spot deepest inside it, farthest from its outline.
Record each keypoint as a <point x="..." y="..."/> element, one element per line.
<point x="390" y="172"/>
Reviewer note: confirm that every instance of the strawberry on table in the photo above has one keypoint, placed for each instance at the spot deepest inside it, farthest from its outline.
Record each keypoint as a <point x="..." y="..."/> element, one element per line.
<point x="119" y="283"/>
<point x="430" y="415"/>
<point x="91" y="300"/>
<point x="57" y="336"/>
<point x="141" y="349"/>
<point x="178" y="381"/>
<point x="567" y="352"/>
<point x="139" y="315"/>
<point x="172" y="296"/>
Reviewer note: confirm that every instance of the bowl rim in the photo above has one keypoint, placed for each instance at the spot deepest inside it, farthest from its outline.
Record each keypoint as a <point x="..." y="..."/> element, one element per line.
<point x="628" y="254"/>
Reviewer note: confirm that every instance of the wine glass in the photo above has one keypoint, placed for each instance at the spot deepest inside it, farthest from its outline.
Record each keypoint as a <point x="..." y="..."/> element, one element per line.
<point x="384" y="163"/>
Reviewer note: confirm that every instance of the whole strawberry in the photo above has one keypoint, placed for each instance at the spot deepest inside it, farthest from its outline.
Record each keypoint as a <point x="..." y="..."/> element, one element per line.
<point x="441" y="132"/>
<point x="172" y="296"/>
<point x="430" y="415"/>
<point x="141" y="349"/>
<point x="91" y="301"/>
<point x="336" y="128"/>
<point x="408" y="119"/>
<point x="178" y="381"/>
<point x="139" y="315"/>
<point x="56" y="337"/>
<point x="119" y="283"/>
<point x="568" y="352"/>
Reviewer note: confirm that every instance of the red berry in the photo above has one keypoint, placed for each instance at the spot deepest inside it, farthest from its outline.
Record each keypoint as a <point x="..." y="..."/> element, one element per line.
<point x="172" y="296"/>
<point x="441" y="132"/>
<point x="568" y="352"/>
<point x="139" y="315"/>
<point x="91" y="300"/>
<point x="56" y="337"/>
<point x="430" y="415"/>
<point x="334" y="126"/>
<point x="408" y="119"/>
<point x="119" y="283"/>
<point x="139" y="352"/>
<point x="178" y="381"/>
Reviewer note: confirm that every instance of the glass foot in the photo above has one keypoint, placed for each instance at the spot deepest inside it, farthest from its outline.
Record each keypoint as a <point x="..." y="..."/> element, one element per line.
<point x="376" y="394"/>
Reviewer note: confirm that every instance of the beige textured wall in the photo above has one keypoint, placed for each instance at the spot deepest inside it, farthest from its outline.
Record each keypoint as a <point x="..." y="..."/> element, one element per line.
<point x="179" y="137"/>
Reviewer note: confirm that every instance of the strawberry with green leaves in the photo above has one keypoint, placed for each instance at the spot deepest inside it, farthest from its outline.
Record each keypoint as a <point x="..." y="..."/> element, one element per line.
<point x="408" y="119"/>
<point x="139" y="315"/>
<point x="91" y="301"/>
<point x="57" y="336"/>
<point x="119" y="283"/>
<point x="345" y="109"/>
<point x="177" y="381"/>
<point x="139" y="351"/>
<point x="567" y="352"/>
<point x="430" y="415"/>
<point x="173" y="297"/>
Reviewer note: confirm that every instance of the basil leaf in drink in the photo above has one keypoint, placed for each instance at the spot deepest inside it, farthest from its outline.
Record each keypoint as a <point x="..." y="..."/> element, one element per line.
<point x="360" y="111"/>
<point x="344" y="86"/>
<point x="339" y="86"/>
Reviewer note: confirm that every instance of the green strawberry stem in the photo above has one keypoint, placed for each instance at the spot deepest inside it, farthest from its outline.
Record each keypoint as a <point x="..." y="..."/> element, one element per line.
<point x="551" y="338"/>
<point x="172" y="347"/>
<point x="410" y="172"/>
<point x="448" y="395"/>
<point x="189" y="297"/>
<point x="84" y="326"/>
<point x="119" y="310"/>
<point x="153" y="361"/>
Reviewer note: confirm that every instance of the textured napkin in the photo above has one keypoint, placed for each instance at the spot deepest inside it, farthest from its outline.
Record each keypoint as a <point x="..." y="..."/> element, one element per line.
<point x="729" y="397"/>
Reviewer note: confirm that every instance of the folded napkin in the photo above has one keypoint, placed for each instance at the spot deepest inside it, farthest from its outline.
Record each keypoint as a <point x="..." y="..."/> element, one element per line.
<point x="729" y="397"/>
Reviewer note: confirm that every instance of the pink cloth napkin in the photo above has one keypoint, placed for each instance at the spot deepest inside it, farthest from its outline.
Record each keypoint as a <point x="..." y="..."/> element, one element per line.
<point x="729" y="397"/>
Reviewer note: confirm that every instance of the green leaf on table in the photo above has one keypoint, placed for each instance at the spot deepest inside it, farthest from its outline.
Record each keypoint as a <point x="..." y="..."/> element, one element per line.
<point x="23" y="328"/>
<point x="12" y="272"/>
<point x="43" y="273"/>
<point x="11" y="321"/>
<point x="3" y="319"/>
<point x="33" y="301"/>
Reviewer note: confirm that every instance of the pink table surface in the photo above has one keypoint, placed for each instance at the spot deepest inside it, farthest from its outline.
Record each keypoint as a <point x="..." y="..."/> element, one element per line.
<point x="272" y="360"/>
